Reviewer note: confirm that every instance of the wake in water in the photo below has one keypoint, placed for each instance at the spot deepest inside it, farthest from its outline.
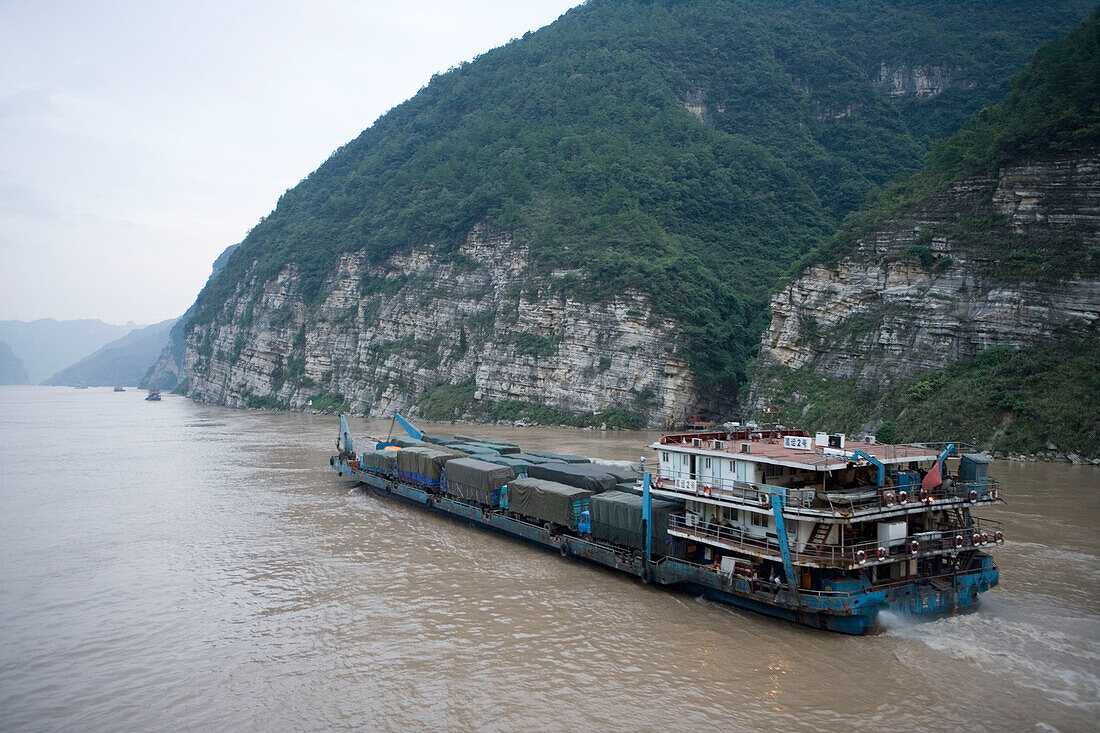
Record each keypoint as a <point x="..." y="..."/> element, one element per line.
<point x="1037" y="645"/>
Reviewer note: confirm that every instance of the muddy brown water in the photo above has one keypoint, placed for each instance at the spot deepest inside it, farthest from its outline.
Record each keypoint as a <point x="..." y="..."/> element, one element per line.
<point x="179" y="566"/>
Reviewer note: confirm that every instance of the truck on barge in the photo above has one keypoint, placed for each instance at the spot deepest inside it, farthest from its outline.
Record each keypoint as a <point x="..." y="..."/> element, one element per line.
<point x="819" y="530"/>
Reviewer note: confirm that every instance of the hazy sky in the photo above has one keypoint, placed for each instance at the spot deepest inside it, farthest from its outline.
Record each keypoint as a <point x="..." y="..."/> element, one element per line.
<point x="139" y="139"/>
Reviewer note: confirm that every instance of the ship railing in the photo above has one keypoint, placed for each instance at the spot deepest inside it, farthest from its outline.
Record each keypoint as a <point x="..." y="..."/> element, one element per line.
<point x="981" y="533"/>
<point x="739" y="538"/>
<point x="727" y="488"/>
<point x="842" y="503"/>
<point x="710" y="571"/>
<point x="873" y="499"/>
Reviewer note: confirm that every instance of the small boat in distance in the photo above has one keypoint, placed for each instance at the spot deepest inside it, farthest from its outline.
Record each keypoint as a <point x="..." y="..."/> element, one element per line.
<point x="80" y="385"/>
<point x="153" y="396"/>
<point x="120" y="389"/>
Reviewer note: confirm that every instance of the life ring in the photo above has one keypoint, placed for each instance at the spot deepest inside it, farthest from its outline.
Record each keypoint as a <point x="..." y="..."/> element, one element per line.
<point x="882" y="553"/>
<point x="999" y="537"/>
<point x="708" y="490"/>
<point x="765" y="499"/>
<point x="861" y="556"/>
<point x="985" y="539"/>
<point x="903" y="497"/>
<point x="563" y="548"/>
<point x="924" y="494"/>
<point x="959" y="541"/>
<point x="975" y="539"/>
<point x="914" y="547"/>
<point x="973" y="496"/>
<point x="890" y="498"/>
<point x="993" y="494"/>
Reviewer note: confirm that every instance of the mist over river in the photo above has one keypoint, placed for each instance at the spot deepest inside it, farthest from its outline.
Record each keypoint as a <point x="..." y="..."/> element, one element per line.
<point x="180" y="566"/>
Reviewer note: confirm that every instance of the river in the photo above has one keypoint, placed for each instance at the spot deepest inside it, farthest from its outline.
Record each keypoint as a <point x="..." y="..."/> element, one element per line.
<point x="180" y="566"/>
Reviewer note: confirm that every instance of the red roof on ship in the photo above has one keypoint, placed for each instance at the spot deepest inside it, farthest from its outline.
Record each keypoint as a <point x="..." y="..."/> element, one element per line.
<point x="767" y="447"/>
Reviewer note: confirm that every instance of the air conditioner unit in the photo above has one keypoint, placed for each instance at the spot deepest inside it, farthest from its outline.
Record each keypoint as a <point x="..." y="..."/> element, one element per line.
<point x="719" y="445"/>
<point x="746" y="447"/>
<point x="696" y="443"/>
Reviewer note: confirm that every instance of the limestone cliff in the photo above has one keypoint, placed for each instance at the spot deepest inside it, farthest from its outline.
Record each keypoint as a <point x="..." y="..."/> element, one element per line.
<point x="393" y="334"/>
<point x="924" y="291"/>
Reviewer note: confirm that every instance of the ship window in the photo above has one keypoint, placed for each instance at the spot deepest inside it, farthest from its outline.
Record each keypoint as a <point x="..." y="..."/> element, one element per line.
<point x="731" y="466"/>
<point x="770" y="470"/>
<point x="665" y="458"/>
<point x="759" y="520"/>
<point x="706" y="463"/>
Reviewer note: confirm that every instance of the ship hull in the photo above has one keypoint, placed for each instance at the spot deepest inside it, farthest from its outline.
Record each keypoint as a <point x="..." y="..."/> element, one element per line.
<point x="849" y="613"/>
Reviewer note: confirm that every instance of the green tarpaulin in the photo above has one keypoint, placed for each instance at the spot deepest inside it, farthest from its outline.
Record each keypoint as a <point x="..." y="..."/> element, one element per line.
<point x="379" y="460"/>
<point x="425" y="461"/>
<point x="546" y="501"/>
<point x="583" y="476"/>
<point x="617" y="517"/>
<point x="474" y="480"/>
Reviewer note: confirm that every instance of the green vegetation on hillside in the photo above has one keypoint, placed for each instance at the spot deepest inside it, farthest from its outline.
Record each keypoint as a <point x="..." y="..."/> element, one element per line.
<point x="579" y="140"/>
<point x="1053" y="108"/>
<point x="1009" y="400"/>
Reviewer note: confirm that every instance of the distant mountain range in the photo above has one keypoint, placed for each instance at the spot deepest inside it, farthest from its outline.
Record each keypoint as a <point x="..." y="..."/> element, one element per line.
<point x="47" y="345"/>
<point x="123" y="361"/>
<point x="11" y="367"/>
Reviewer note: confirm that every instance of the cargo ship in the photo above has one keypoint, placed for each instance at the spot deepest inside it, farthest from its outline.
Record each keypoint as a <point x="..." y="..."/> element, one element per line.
<point x="815" y="529"/>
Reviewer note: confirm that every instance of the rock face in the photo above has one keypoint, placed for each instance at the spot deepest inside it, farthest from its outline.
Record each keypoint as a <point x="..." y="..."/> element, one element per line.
<point x="913" y="80"/>
<point x="942" y="286"/>
<point x="387" y="334"/>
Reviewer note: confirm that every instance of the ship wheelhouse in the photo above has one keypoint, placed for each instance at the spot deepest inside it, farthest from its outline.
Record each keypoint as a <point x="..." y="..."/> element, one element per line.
<point x="823" y="513"/>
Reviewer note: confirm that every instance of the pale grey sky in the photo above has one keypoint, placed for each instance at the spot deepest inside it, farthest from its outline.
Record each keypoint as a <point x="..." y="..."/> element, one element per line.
<point x="138" y="139"/>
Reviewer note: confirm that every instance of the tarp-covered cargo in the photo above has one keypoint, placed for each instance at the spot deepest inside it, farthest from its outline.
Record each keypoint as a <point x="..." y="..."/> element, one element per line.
<point x="379" y="461"/>
<point x="452" y="449"/>
<point x="498" y="444"/>
<point x="547" y="501"/>
<point x="515" y="464"/>
<point x="474" y="480"/>
<point x="440" y="440"/>
<point x="422" y="465"/>
<point x="622" y="474"/>
<point x="563" y="457"/>
<point x="532" y="458"/>
<point x="405" y="441"/>
<point x="630" y="488"/>
<point x="495" y="447"/>
<point x="617" y="517"/>
<point x="582" y="476"/>
<point x="471" y="449"/>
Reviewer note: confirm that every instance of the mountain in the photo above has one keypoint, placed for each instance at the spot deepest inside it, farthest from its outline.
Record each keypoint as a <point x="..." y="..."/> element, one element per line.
<point x="964" y="300"/>
<point x="11" y="367"/>
<point x="124" y="361"/>
<point x="586" y="223"/>
<point x="168" y="370"/>
<point x="47" y="345"/>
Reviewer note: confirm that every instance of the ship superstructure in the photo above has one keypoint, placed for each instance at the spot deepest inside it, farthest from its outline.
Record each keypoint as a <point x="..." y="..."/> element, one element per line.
<point x="813" y="518"/>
